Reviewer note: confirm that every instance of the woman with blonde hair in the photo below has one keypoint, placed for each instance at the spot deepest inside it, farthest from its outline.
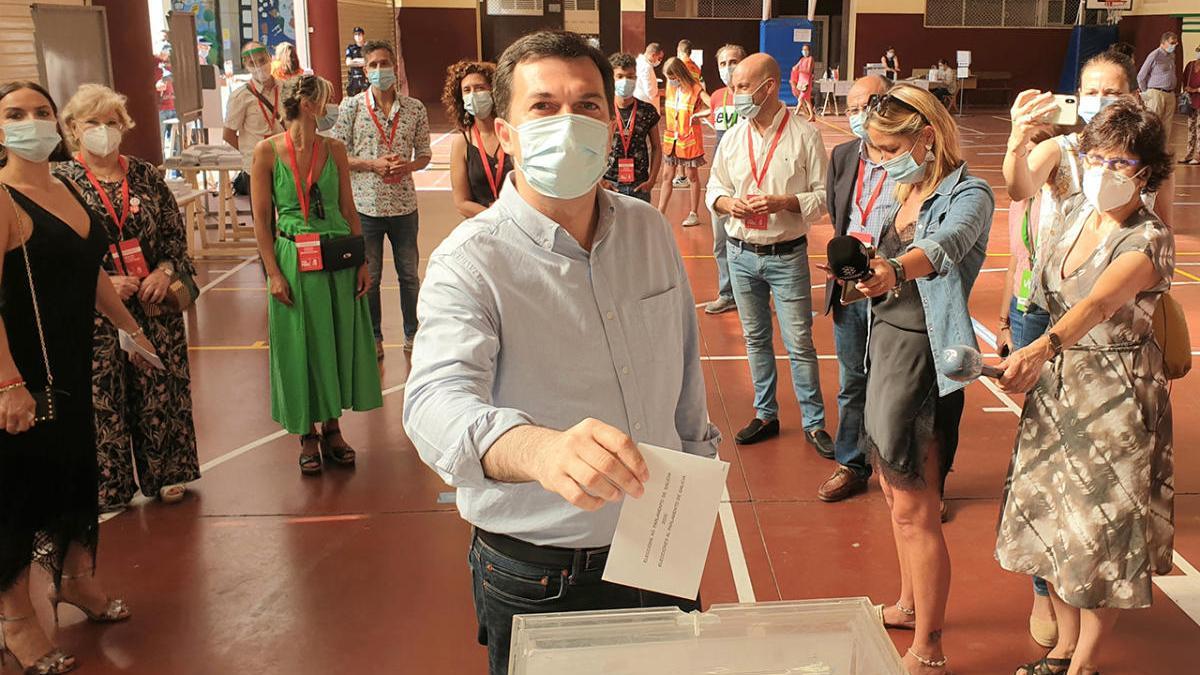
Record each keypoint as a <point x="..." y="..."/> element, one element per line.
<point x="478" y="164"/>
<point x="929" y="257"/>
<point x="286" y="64"/>
<point x="322" y="347"/>
<point x="683" y="139"/>
<point x="143" y="417"/>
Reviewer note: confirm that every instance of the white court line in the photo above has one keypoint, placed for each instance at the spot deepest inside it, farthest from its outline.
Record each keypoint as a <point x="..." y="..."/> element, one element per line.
<point x="733" y="547"/>
<point x="778" y="357"/>
<point x="1184" y="590"/>
<point x="974" y="131"/>
<point x="238" y="452"/>
<point x="228" y="273"/>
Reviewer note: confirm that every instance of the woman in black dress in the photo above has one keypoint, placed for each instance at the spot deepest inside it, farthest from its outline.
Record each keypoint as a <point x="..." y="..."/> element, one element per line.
<point x="48" y="508"/>
<point x="468" y="100"/>
<point x="143" y="417"/>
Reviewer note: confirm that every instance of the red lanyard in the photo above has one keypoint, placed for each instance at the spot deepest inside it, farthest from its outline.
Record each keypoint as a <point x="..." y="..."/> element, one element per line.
<point x="302" y="190"/>
<point x="112" y="211"/>
<point x="383" y="135"/>
<point x="626" y="138"/>
<point x="865" y="213"/>
<point x="270" y="119"/>
<point x="493" y="179"/>
<point x="758" y="177"/>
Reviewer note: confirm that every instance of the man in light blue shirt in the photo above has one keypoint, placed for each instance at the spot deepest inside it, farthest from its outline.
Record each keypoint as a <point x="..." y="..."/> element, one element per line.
<point x="1156" y="80"/>
<point x="558" y="330"/>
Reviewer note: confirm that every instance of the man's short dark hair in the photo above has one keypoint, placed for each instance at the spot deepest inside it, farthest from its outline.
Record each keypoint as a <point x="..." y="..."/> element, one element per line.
<point x="621" y="61"/>
<point x="540" y="45"/>
<point x="1169" y="36"/>
<point x="376" y="45"/>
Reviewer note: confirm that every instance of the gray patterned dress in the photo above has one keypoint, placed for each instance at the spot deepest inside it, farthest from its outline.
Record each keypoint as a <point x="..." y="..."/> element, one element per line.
<point x="1089" y="499"/>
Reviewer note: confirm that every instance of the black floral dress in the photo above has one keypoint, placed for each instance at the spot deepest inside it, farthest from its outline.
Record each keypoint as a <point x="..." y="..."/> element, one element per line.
<point x="143" y="417"/>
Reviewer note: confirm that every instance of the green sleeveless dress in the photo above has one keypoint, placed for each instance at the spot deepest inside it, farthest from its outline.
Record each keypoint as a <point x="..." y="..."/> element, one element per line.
<point x="322" y="347"/>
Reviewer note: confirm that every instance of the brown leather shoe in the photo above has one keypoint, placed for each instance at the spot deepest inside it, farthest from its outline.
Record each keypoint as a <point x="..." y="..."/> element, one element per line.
<point x="842" y="484"/>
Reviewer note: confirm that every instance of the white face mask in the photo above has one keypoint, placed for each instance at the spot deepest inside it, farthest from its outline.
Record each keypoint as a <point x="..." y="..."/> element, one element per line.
<point x="31" y="140"/>
<point x="1106" y="189"/>
<point x="563" y="156"/>
<point x="260" y="74"/>
<point x="101" y="141"/>
<point x="478" y="103"/>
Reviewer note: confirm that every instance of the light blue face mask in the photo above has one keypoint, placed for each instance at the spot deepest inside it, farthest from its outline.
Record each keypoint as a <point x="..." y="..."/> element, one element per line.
<point x="31" y="140"/>
<point x="1090" y="106"/>
<point x="746" y="108"/>
<point x="384" y="78"/>
<point x="858" y="124"/>
<point x="727" y="74"/>
<point x="624" y="88"/>
<point x="478" y="103"/>
<point x="329" y="119"/>
<point x="563" y="156"/>
<point x="905" y="170"/>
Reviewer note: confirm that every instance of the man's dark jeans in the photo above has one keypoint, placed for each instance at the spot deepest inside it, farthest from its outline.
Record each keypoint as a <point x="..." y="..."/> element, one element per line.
<point x="504" y="587"/>
<point x="402" y="232"/>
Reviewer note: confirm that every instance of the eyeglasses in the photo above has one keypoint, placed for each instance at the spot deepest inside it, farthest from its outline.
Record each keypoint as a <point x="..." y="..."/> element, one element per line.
<point x="883" y="104"/>
<point x="1114" y="164"/>
<point x="872" y="101"/>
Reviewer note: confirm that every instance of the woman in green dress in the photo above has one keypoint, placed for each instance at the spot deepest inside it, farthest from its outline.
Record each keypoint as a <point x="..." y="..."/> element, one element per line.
<point x="322" y="349"/>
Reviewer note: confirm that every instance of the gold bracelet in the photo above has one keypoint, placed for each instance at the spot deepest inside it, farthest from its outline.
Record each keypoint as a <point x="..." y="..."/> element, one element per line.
<point x="11" y="387"/>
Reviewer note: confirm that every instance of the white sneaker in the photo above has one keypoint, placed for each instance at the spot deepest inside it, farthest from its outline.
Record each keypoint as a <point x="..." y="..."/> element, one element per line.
<point x="692" y="220"/>
<point x="680" y="182"/>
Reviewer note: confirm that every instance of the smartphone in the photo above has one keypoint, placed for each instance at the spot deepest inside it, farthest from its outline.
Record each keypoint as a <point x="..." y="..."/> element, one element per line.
<point x="1068" y="111"/>
<point x="850" y="294"/>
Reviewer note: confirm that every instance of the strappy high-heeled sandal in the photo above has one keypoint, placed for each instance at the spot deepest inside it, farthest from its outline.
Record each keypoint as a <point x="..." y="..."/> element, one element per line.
<point x="930" y="663"/>
<point x="54" y="662"/>
<point x="310" y="462"/>
<point x="1046" y="666"/>
<point x="115" y="610"/>
<point x="343" y="454"/>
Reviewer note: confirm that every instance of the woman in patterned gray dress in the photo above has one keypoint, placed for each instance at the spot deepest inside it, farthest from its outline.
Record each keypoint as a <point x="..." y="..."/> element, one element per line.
<point x="1089" y="498"/>
<point x="143" y="417"/>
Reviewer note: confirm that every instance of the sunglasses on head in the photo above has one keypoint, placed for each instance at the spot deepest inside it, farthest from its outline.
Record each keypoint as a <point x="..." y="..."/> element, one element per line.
<point x="881" y="105"/>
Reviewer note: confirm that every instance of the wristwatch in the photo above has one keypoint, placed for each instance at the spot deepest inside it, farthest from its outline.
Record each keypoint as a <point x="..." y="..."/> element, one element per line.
<point x="168" y="269"/>
<point x="1055" y="343"/>
<point x="898" y="268"/>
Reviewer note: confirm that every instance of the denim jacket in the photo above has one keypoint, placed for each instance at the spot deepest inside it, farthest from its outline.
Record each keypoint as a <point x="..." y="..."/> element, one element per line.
<point x="952" y="230"/>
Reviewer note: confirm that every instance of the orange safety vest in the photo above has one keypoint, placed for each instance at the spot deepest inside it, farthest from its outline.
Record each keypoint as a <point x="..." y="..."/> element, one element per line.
<point x="683" y="137"/>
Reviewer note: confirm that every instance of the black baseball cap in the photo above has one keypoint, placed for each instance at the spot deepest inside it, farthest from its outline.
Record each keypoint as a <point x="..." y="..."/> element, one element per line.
<point x="359" y="29"/>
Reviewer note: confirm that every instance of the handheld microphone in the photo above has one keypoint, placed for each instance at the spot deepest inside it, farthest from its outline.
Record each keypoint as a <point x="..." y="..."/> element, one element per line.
<point x="849" y="258"/>
<point x="965" y="364"/>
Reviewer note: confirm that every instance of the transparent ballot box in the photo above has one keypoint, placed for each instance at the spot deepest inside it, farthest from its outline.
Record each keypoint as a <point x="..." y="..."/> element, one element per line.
<point x="810" y="637"/>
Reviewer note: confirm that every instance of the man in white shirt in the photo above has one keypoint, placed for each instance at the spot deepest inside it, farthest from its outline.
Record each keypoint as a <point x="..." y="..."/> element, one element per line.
<point x="253" y="112"/>
<point x="647" y="81"/>
<point x="769" y="176"/>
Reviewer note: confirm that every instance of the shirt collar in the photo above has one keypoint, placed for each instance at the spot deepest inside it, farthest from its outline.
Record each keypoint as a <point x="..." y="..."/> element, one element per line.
<point x="866" y="157"/>
<point x="773" y="126"/>
<point x="545" y="232"/>
<point x="951" y="180"/>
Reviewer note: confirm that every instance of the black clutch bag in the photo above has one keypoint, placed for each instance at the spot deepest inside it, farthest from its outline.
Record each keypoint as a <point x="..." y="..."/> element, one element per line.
<point x="346" y="252"/>
<point x="45" y="405"/>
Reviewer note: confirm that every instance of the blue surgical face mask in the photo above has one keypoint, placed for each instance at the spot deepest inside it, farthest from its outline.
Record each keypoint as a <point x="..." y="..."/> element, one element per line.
<point x="1090" y="106"/>
<point x="1169" y="49"/>
<point x="747" y="109"/>
<point x="905" y="170"/>
<point x="858" y="124"/>
<point x="672" y="82"/>
<point x="727" y="74"/>
<point x="624" y="88"/>
<point x="31" y="140"/>
<point x="563" y="156"/>
<point x="384" y="78"/>
<point x="478" y="103"/>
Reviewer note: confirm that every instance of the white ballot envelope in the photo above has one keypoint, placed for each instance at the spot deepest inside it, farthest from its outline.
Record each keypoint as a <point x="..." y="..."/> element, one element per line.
<point x="662" y="537"/>
<point x="131" y="346"/>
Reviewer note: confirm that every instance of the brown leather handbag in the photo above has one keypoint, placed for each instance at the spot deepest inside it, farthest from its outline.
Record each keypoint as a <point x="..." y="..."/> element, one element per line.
<point x="1171" y="333"/>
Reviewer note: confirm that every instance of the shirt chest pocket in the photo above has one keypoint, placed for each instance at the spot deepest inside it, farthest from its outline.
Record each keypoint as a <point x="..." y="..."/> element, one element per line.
<point x="658" y="322"/>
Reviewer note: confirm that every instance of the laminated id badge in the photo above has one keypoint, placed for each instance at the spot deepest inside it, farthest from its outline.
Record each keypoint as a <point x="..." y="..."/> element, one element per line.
<point x="1025" y="292"/>
<point x="756" y="221"/>
<point x="130" y="260"/>
<point x="625" y="171"/>
<point x="308" y="252"/>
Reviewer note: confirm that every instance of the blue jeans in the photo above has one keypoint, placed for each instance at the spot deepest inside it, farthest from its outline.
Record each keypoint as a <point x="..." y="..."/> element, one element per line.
<point x="629" y="191"/>
<point x="850" y="338"/>
<point x="755" y="279"/>
<point x="719" y="220"/>
<point x="504" y="586"/>
<point x="402" y="232"/>
<point x="1027" y="327"/>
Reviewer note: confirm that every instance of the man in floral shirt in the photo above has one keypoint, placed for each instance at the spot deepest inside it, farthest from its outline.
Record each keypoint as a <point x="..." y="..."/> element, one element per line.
<point x="387" y="136"/>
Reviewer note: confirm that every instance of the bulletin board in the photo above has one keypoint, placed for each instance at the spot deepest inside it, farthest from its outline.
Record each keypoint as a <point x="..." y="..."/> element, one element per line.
<point x="185" y="65"/>
<point x="72" y="47"/>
